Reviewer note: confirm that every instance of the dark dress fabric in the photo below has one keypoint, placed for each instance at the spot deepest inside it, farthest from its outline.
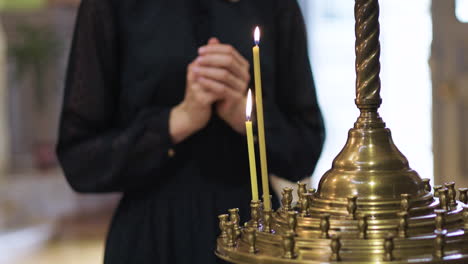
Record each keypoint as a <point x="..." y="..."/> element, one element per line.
<point x="127" y="70"/>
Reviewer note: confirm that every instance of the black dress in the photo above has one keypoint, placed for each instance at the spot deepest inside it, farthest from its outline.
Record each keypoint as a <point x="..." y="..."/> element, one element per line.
<point x="127" y="69"/>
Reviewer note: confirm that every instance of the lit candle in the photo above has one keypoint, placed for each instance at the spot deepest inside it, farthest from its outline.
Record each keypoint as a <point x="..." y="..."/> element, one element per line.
<point x="250" y="144"/>
<point x="260" y="123"/>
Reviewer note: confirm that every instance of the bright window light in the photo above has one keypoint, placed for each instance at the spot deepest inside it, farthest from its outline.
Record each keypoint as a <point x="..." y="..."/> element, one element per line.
<point x="462" y="10"/>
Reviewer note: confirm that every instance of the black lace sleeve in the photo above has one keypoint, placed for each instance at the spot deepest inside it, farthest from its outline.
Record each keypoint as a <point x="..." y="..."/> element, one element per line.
<point x="96" y="153"/>
<point x="295" y="126"/>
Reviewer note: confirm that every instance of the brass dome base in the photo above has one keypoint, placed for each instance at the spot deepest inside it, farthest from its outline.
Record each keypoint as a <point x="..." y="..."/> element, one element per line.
<point x="371" y="168"/>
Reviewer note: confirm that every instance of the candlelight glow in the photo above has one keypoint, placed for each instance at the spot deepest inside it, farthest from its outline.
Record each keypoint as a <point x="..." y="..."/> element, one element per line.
<point x="248" y="108"/>
<point x="257" y="35"/>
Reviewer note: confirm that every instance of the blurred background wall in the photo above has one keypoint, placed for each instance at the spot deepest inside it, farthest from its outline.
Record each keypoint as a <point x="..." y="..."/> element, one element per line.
<point x="424" y="87"/>
<point x="41" y="219"/>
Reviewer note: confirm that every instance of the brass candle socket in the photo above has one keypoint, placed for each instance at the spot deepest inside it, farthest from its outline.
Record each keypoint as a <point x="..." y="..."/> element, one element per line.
<point x="363" y="226"/>
<point x="463" y="197"/>
<point x="222" y="226"/>
<point x="440" y="219"/>
<point x="235" y="219"/>
<point x="389" y="246"/>
<point x="352" y="207"/>
<point x="287" y="199"/>
<point x="325" y="226"/>
<point x="292" y="222"/>
<point x="443" y="199"/>
<point x="403" y="224"/>
<point x="452" y="195"/>
<point x="254" y="213"/>
<point x="288" y="243"/>
<point x="304" y="204"/>
<point x="301" y="189"/>
<point x="405" y="202"/>
<point x="335" y="246"/>
<point x="267" y="221"/>
<point x="436" y="190"/>
<point x="427" y="185"/>
<point x="439" y="244"/>
<point x="251" y="234"/>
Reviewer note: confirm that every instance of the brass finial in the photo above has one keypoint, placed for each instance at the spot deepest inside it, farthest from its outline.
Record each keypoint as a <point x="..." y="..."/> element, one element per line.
<point x="292" y="221"/>
<point x="287" y="199"/>
<point x="363" y="226"/>
<point x="222" y="226"/>
<point x="335" y="246"/>
<point x="304" y="204"/>
<point x="443" y="198"/>
<point x="312" y="191"/>
<point x="251" y="234"/>
<point x="254" y="213"/>
<point x="310" y="197"/>
<point x="234" y="215"/>
<point x="440" y="219"/>
<point x="301" y="189"/>
<point x="439" y="243"/>
<point x="352" y="206"/>
<point x="267" y="219"/>
<point x="231" y="236"/>
<point x="403" y="224"/>
<point x="405" y="202"/>
<point x="288" y="245"/>
<point x="451" y="195"/>
<point x="235" y="219"/>
<point x="389" y="245"/>
<point x="436" y="190"/>
<point x="325" y="226"/>
<point x="427" y="184"/>
<point x="463" y="195"/>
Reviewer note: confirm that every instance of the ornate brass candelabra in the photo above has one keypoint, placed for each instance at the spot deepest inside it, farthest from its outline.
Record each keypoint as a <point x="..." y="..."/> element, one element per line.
<point x="371" y="207"/>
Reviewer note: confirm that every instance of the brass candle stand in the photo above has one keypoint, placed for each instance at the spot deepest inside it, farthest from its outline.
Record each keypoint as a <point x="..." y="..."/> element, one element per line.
<point x="371" y="207"/>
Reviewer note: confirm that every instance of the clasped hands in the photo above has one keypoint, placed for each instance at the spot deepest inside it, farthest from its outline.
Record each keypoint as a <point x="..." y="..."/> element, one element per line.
<point x="218" y="77"/>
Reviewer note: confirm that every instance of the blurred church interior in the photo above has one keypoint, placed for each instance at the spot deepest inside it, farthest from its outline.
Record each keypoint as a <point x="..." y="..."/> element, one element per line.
<point x="424" y="86"/>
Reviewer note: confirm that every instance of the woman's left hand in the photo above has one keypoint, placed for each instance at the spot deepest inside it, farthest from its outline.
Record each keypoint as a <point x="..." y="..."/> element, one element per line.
<point x="221" y="66"/>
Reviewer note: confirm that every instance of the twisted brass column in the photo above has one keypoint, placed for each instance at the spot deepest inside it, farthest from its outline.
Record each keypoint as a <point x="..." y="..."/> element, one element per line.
<point x="367" y="54"/>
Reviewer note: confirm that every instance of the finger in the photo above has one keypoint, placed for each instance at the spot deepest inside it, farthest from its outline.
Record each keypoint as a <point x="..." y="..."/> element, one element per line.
<point x="221" y="75"/>
<point x="190" y="74"/>
<point x="203" y="96"/>
<point x="227" y="93"/>
<point x="225" y="61"/>
<point x="211" y="86"/>
<point x="225" y="49"/>
<point x="213" y="41"/>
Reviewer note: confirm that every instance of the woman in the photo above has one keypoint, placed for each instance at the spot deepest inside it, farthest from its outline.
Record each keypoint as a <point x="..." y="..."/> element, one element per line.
<point x="154" y="108"/>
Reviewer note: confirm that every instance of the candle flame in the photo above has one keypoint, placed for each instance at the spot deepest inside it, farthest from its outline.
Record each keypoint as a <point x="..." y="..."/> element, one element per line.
<point x="248" y="108"/>
<point x="257" y="35"/>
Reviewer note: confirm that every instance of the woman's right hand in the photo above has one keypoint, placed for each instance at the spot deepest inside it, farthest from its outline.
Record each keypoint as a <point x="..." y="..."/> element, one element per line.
<point x="195" y="111"/>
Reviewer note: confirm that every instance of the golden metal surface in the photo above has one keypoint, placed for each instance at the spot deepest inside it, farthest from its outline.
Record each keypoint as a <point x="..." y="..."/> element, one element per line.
<point x="370" y="207"/>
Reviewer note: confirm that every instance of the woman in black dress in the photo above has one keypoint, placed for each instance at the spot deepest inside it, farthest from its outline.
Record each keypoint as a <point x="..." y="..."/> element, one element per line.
<point x="154" y="108"/>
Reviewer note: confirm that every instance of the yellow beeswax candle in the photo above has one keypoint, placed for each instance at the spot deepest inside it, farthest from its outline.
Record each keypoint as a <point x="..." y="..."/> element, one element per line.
<point x="260" y="123"/>
<point x="250" y="144"/>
